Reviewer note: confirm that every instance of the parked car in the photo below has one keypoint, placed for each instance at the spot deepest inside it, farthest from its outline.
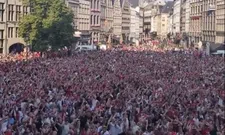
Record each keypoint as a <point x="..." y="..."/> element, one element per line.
<point x="86" y="48"/>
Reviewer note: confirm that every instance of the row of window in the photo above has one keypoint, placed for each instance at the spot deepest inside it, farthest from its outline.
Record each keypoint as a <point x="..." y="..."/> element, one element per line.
<point x="220" y="39"/>
<point x="12" y="33"/>
<point x="14" y="12"/>
<point x="95" y="4"/>
<point x="209" y="38"/>
<point x="84" y="11"/>
<point x="83" y="26"/>
<point x="1" y="38"/>
<point x="196" y="9"/>
<point x="95" y="19"/>
<point x="220" y="12"/>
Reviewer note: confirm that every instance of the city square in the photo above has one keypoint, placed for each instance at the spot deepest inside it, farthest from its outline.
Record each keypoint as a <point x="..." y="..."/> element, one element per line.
<point x="112" y="67"/>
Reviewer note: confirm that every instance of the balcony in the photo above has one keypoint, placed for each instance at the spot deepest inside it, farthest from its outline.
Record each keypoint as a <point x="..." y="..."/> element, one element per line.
<point x="211" y="7"/>
<point x="95" y="10"/>
<point x="196" y="16"/>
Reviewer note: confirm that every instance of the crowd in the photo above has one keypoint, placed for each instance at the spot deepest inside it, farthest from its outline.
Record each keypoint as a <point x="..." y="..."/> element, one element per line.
<point x="130" y="92"/>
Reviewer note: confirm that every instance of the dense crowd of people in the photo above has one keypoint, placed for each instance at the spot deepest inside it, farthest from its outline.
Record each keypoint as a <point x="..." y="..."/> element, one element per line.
<point x="131" y="92"/>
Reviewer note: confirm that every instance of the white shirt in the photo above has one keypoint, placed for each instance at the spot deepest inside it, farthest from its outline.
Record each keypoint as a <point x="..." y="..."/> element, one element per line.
<point x="106" y="133"/>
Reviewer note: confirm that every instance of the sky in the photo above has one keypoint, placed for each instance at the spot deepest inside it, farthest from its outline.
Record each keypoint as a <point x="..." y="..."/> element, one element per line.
<point x="135" y="2"/>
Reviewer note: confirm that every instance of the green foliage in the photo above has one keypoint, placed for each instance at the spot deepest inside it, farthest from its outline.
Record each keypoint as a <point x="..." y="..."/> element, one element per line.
<point x="50" y="24"/>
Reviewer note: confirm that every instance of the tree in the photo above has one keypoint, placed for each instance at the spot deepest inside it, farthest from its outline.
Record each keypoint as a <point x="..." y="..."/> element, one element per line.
<point x="50" y="24"/>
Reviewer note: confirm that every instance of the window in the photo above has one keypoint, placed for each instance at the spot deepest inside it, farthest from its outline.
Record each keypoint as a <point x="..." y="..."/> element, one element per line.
<point x="1" y="11"/>
<point x="18" y="12"/>
<point x="92" y="4"/>
<point x="17" y="32"/>
<point x="91" y="19"/>
<point x="97" y="20"/>
<point x="10" y="32"/>
<point x="11" y="12"/>
<point x="94" y="19"/>
<point x="163" y="25"/>
<point x="1" y="40"/>
<point x="25" y="10"/>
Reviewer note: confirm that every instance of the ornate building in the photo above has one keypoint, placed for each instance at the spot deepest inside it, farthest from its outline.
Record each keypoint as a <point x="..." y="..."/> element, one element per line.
<point x="125" y="5"/>
<point x="195" y="32"/>
<point x="103" y="21"/>
<point x="95" y="21"/>
<point x="208" y="9"/>
<point x="220" y="21"/>
<point x="10" y="13"/>
<point x="84" y="21"/>
<point x="117" y="19"/>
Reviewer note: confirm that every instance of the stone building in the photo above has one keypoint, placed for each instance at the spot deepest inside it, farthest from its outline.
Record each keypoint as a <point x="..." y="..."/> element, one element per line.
<point x="163" y="19"/>
<point x="109" y="14"/>
<point x="95" y="21"/>
<point x="84" y="21"/>
<point x="103" y="21"/>
<point x="208" y="9"/>
<point x="195" y="31"/>
<point x="117" y="19"/>
<point x="220" y="21"/>
<point x="74" y="5"/>
<point x="176" y="17"/>
<point x="109" y="19"/>
<point x="134" y="25"/>
<point x="10" y="13"/>
<point x="184" y="21"/>
<point x="147" y="20"/>
<point x="125" y="5"/>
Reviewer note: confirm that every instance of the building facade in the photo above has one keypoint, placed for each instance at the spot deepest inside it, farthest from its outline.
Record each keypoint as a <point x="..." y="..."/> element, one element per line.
<point x="95" y="21"/>
<point x="176" y="17"/>
<point x="109" y="14"/>
<point x="182" y="16"/>
<point x="187" y="15"/>
<point x="134" y="25"/>
<point x="84" y="21"/>
<point x="220" y="21"/>
<point x="74" y="5"/>
<point x="208" y="9"/>
<point x="195" y="32"/>
<point x="163" y="22"/>
<point x="140" y="11"/>
<point x="125" y="5"/>
<point x="103" y="21"/>
<point x="11" y="12"/>
<point x="147" y="20"/>
<point x="117" y="19"/>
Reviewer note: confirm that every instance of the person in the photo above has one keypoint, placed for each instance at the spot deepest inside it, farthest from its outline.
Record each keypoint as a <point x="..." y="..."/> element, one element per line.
<point x="131" y="90"/>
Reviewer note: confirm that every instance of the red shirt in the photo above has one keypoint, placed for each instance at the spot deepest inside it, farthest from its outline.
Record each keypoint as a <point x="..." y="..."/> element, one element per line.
<point x="8" y="133"/>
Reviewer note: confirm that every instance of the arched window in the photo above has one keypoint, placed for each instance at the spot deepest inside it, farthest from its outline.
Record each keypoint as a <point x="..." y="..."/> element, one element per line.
<point x="94" y="19"/>
<point x="97" y="19"/>
<point x="91" y="4"/>
<point x="97" y="4"/>
<point x="91" y="19"/>
<point x="94" y="4"/>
